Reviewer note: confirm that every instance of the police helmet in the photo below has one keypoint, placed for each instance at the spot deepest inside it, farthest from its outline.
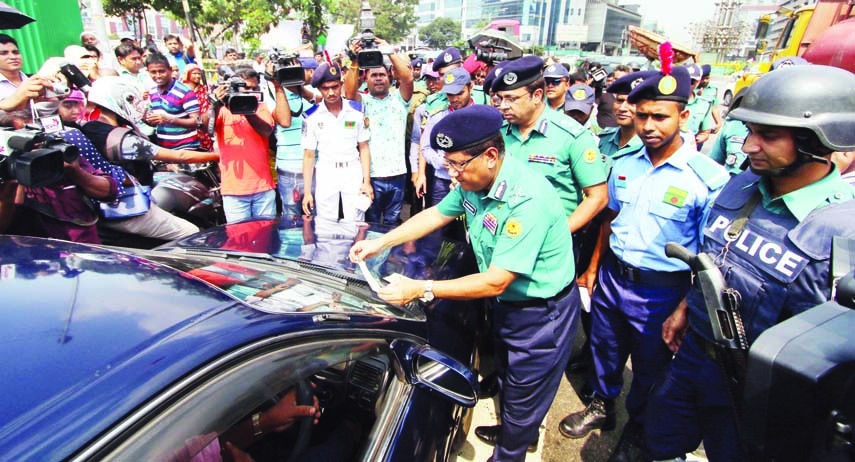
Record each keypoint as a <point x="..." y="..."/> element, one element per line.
<point x="813" y="97"/>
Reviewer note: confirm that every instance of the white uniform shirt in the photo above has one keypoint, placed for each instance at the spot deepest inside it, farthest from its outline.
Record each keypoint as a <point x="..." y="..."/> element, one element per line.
<point x="335" y="138"/>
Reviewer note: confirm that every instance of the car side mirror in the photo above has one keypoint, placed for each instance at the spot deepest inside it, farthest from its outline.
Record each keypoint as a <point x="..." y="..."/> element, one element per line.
<point x="431" y="369"/>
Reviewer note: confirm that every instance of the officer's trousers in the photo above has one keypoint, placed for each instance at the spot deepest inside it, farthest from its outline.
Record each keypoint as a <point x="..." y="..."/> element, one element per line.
<point x="690" y="403"/>
<point x="334" y="182"/>
<point x="627" y="320"/>
<point x="533" y="344"/>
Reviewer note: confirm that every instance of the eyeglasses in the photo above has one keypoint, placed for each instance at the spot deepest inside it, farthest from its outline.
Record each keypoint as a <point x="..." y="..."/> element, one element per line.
<point x="461" y="166"/>
<point x="510" y="100"/>
<point x="553" y="82"/>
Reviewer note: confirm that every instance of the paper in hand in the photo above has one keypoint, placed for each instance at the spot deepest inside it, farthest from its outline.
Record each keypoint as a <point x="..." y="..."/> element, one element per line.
<point x="369" y="278"/>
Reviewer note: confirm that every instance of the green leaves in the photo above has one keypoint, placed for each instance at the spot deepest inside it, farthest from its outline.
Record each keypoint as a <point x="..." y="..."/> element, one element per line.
<point x="441" y="33"/>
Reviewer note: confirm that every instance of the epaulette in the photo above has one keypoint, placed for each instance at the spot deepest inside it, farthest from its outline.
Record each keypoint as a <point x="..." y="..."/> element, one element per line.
<point x="627" y="150"/>
<point x="609" y="130"/>
<point x="355" y="105"/>
<point x="311" y="110"/>
<point x="709" y="171"/>
<point x="568" y="124"/>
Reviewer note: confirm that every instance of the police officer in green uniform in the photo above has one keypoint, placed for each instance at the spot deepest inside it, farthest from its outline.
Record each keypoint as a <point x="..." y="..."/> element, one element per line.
<point x="519" y="233"/>
<point x="449" y="59"/>
<point x="727" y="149"/>
<point x="700" y="122"/>
<point x="707" y="91"/>
<point x="549" y="142"/>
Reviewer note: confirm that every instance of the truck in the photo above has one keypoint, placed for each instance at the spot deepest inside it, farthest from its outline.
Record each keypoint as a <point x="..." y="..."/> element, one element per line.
<point x="822" y="34"/>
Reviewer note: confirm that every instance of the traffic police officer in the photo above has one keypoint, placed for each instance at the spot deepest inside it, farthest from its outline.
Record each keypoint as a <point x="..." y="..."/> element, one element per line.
<point x="658" y="193"/>
<point x="700" y="123"/>
<point x="613" y="139"/>
<point x="551" y="143"/>
<point x="556" y="77"/>
<point x="518" y="229"/>
<point x="795" y="202"/>
<point x="337" y="130"/>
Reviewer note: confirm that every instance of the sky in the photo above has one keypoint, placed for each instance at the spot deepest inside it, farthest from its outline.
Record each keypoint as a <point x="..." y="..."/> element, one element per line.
<point x="675" y="15"/>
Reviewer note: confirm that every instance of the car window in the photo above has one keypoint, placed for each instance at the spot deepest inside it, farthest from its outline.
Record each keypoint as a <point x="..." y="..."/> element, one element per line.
<point x="351" y="377"/>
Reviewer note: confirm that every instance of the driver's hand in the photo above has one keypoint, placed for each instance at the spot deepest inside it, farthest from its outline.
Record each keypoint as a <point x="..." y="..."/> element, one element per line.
<point x="286" y="412"/>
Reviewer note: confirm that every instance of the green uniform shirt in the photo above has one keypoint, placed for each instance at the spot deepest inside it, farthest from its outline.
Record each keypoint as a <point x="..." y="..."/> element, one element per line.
<point x="518" y="226"/>
<point x="700" y="116"/>
<point x="610" y="144"/>
<point x="727" y="149"/>
<point x="801" y="202"/>
<point x="479" y="96"/>
<point x="563" y="151"/>
<point x="435" y="103"/>
<point x="710" y="93"/>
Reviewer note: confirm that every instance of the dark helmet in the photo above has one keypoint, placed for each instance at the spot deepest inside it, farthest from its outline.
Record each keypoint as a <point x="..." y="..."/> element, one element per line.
<point x="812" y="97"/>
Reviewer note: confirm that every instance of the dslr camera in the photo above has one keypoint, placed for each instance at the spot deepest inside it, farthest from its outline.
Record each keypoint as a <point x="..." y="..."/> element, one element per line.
<point x="369" y="57"/>
<point x="287" y="71"/>
<point x="238" y="99"/>
<point x="33" y="157"/>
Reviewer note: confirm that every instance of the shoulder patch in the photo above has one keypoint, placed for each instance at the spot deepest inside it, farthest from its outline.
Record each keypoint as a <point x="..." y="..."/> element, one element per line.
<point x="568" y="125"/>
<point x="709" y="171"/>
<point x="311" y="110"/>
<point x="355" y="105"/>
<point x="627" y="150"/>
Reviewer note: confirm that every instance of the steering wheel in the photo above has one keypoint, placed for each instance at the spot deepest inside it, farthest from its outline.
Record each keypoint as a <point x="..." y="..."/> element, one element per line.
<point x="303" y="390"/>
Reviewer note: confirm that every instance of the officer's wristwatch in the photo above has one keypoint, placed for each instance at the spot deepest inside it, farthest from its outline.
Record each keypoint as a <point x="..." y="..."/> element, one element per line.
<point x="428" y="295"/>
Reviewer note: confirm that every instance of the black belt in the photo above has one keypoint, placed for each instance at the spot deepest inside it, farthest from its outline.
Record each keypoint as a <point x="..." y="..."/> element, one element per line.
<point x="540" y="301"/>
<point x="651" y="278"/>
<point x="387" y="178"/>
<point x="709" y="348"/>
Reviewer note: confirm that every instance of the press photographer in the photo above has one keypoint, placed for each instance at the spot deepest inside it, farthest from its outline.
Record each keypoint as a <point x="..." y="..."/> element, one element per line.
<point x="243" y="127"/>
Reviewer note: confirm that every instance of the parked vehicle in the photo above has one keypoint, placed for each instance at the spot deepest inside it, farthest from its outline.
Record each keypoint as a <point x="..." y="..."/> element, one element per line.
<point x="131" y="354"/>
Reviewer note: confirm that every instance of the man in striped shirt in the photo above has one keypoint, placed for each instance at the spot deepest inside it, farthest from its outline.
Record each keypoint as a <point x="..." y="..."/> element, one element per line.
<point x="174" y="109"/>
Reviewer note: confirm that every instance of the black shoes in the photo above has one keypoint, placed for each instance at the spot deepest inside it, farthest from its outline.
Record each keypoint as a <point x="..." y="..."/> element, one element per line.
<point x="628" y="448"/>
<point x="581" y="362"/>
<point x="490" y="435"/>
<point x="489" y="386"/>
<point x="599" y="415"/>
<point x="586" y="394"/>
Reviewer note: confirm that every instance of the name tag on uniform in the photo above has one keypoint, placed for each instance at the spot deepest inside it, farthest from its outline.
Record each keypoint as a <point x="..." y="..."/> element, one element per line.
<point x="469" y="207"/>
<point x="349" y="124"/>
<point x="491" y="223"/>
<point x="541" y="159"/>
<point x="675" y="196"/>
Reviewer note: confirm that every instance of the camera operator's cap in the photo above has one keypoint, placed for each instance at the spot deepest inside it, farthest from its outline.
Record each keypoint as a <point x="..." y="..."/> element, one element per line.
<point x="308" y="63"/>
<point x="518" y="73"/>
<point x="706" y="69"/>
<point x="580" y="97"/>
<point x="455" y="80"/>
<point x="695" y="71"/>
<point x="467" y="127"/>
<point x="326" y="73"/>
<point x="788" y="61"/>
<point x="556" y="71"/>
<point x="625" y="84"/>
<point x="674" y="86"/>
<point x="75" y="95"/>
<point x="449" y="56"/>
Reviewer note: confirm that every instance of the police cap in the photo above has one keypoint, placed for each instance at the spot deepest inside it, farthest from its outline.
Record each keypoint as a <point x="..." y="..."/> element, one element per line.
<point x="625" y="84"/>
<point x="417" y="63"/>
<point x="449" y="56"/>
<point x="695" y="71"/>
<point x="491" y="76"/>
<point x="464" y="128"/>
<point x="705" y="70"/>
<point x="308" y="63"/>
<point x="455" y="80"/>
<point x="676" y="86"/>
<point x="580" y="97"/>
<point x="518" y="73"/>
<point x="556" y="71"/>
<point x="326" y="73"/>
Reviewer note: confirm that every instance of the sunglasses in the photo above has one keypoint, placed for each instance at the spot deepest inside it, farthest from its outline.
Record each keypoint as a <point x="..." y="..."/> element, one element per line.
<point x="553" y="82"/>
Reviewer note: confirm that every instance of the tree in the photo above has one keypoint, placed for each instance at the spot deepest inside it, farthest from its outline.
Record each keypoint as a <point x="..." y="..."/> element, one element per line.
<point x="440" y="33"/>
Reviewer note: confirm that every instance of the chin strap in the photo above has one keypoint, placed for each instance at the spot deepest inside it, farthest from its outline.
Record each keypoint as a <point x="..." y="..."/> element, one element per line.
<point x="803" y="158"/>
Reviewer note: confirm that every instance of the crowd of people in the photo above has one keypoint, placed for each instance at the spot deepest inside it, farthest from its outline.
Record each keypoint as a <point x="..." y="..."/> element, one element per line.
<point x="563" y="179"/>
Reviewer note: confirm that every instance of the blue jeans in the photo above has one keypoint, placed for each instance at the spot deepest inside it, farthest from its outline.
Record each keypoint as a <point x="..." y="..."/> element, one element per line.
<point x="388" y="199"/>
<point x="441" y="188"/>
<point x="240" y="208"/>
<point x="290" y="187"/>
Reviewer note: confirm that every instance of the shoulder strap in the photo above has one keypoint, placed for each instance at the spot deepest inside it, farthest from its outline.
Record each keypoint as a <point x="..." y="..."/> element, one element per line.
<point x="709" y="171"/>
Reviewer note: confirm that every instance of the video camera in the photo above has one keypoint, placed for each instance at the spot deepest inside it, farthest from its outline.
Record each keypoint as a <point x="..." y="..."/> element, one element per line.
<point x="75" y="77"/>
<point x="33" y="157"/>
<point x="369" y="57"/>
<point x="239" y="100"/>
<point x="288" y="71"/>
<point x="491" y="53"/>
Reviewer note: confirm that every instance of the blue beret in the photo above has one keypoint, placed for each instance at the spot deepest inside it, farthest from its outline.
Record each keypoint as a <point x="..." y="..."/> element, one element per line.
<point x="695" y="71"/>
<point x="675" y="86"/>
<point x="707" y="69"/>
<point x="467" y="127"/>
<point x="518" y="73"/>
<point x="417" y="62"/>
<point x="455" y="80"/>
<point x="491" y="76"/>
<point x="625" y="84"/>
<point x="309" y="63"/>
<point x="325" y="74"/>
<point x="449" y="56"/>
<point x="556" y="71"/>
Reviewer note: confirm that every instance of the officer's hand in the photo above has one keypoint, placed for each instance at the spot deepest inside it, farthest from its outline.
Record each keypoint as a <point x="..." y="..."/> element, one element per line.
<point x="308" y="203"/>
<point x="588" y="279"/>
<point x="403" y="290"/>
<point x="286" y="412"/>
<point x="367" y="190"/>
<point x="702" y="137"/>
<point x="674" y="328"/>
<point x="365" y="249"/>
<point x="421" y="185"/>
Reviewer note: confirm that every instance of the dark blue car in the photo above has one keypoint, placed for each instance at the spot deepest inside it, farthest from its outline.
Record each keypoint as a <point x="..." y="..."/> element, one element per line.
<point x="159" y="355"/>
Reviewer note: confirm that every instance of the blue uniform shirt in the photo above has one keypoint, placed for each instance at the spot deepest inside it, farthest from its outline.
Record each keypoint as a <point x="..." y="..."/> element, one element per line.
<point x="662" y="204"/>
